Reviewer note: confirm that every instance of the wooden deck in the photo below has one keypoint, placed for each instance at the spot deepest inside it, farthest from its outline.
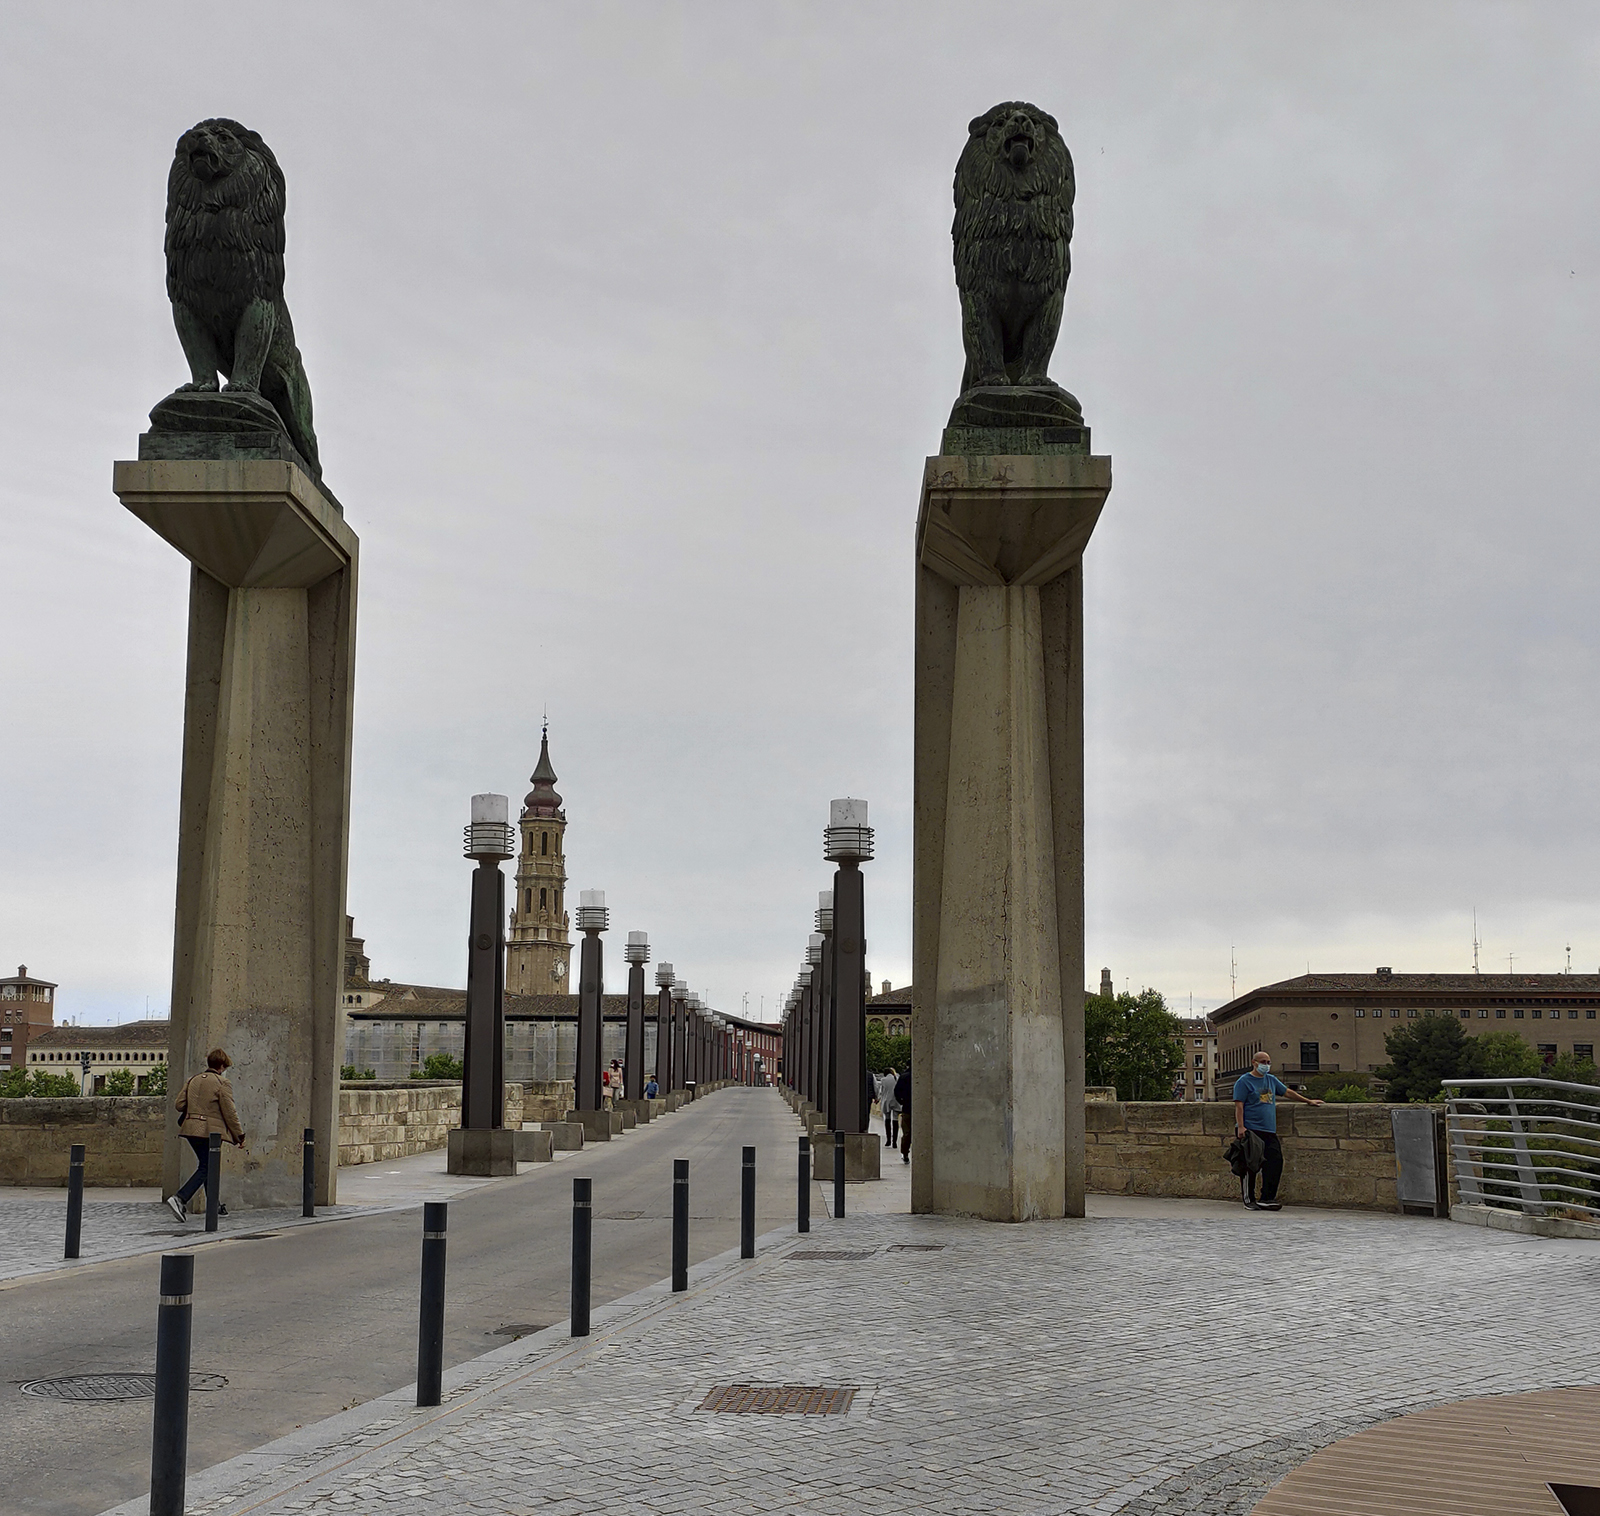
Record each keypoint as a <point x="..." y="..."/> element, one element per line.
<point x="1489" y="1457"/>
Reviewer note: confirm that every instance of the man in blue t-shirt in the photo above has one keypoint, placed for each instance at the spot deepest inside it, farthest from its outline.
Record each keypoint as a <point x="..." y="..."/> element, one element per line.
<point x="1255" y="1109"/>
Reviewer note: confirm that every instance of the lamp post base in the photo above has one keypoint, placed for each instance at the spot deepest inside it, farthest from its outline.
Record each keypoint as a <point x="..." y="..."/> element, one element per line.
<point x="863" y="1153"/>
<point x="481" y="1153"/>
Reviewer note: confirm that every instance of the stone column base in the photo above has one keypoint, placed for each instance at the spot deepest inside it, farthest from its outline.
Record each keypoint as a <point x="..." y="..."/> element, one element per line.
<point x="598" y="1126"/>
<point x="863" y="1152"/>
<point x="566" y="1135"/>
<point x="653" y="1108"/>
<point x="534" y="1147"/>
<point x="483" y="1154"/>
<point x="627" y="1113"/>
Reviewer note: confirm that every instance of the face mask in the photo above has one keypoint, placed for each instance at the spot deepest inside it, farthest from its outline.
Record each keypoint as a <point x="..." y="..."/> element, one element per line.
<point x="1263" y="1069"/>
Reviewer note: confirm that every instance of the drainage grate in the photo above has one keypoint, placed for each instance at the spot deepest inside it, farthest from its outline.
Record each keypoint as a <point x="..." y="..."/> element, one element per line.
<point x="111" y="1386"/>
<point x="916" y="1247"/>
<point x="779" y="1399"/>
<point x="828" y="1255"/>
<point x="623" y="1216"/>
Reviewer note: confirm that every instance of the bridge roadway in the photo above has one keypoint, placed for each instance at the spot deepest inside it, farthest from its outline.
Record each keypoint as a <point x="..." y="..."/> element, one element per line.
<point x="314" y="1319"/>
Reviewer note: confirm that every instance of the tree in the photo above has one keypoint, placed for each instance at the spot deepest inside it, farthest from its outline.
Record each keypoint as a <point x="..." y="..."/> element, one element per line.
<point x="1322" y="1086"/>
<point x="118" y="1082"/>
<point x="1424" y="1052"/>
<point x="155" y="1082"/>
<point x="439" y="1066"/>
<point x="40" y="1084"/>
<point x="1130" y="1042"/>
<point x="1499" y="1055"/>
<point x="1347" y="1094"/>
<point x="885" y="1052"/>
<point x="350" y="1071"/>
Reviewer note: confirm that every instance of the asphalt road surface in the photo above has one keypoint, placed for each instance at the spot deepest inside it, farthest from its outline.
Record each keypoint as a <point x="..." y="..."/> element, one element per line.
<point x="315" y="1319"/>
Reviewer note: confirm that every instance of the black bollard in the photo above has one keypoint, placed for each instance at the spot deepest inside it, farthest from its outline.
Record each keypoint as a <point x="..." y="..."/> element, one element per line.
<point x="74" y="1200"/>
<point x="680" y="1224"/>
<point x="308" y="1173"/>
<point x="430" y="1320"/>
<point x="582" y="1240"/>
<point x="838" y="1173"/>
<point x="747" y="1206"/>
<point x="803" y="1209"/>
<point x="213" y="1181"/>
<point x="169" y="1438"/>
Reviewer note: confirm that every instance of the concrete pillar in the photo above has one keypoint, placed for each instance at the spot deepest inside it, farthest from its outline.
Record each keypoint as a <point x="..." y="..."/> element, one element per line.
<point x="997" y="1065"/>
<point x="263" y="830"/>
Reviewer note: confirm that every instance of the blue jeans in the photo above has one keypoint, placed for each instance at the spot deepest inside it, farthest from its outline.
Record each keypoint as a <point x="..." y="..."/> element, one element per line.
<point x="202" y="1153"/>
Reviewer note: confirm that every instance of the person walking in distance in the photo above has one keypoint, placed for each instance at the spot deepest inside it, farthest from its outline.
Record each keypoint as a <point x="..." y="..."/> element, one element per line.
<point x="890" y="1108"/>
<point x="205" y="1105"/>
<point x="902" y="1095"/>
<point x="1255" y="1109"/>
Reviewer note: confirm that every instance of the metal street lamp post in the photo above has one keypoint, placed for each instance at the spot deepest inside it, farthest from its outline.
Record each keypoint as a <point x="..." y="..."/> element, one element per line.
<point x="664" y="1067"/>
<point x="680" y="1034"/>
<point x="821" y="1010"/>
<point x="489" y="839"/>
<point x="593" y="919"/>
<point x="847" y="842"/>
<point x="637" y="953"/>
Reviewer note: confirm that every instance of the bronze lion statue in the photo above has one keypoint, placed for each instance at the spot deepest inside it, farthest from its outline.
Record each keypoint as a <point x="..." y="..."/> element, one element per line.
<point x="1013" y="233"/>
<point x="225" y="199"/>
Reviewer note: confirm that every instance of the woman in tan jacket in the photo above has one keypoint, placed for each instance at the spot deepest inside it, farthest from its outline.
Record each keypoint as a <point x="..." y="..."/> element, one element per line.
<point x="205" y="1105"/>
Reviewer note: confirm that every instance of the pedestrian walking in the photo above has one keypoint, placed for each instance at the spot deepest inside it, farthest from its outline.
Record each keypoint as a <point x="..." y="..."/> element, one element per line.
<point x="890" y="1107"/>
<point x="1255" y="1109"/>
<point x="610" y="1084"/>
<point x="902" y="1095"/>
<point x="652" y="1089"/>
<point x="205" y="1105"/>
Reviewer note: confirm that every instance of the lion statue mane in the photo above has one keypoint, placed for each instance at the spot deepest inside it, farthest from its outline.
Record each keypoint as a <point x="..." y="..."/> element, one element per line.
<point x="224" y="245"/>
<point x="1013" y="232"/>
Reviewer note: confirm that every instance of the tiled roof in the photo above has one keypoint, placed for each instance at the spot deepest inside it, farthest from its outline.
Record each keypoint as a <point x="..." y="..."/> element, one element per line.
<point x="894" y="1000"/>
<point x="1402" y="986"/>
<point x="131" y="1034"/>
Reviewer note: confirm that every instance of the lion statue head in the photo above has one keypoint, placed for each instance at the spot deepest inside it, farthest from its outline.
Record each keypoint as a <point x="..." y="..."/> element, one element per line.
<point x="1014" y="189"/>
<point x="224" y="246"/>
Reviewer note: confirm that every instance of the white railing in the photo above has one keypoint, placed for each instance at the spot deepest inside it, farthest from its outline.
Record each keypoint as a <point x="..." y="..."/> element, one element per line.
<point x="1525" y="1144"/>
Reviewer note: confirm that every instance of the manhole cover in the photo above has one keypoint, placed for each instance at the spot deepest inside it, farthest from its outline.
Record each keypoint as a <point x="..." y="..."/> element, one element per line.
<point x="516" y="1329"/>
<point x="916" y="1247"/>
<point x="111" y="1386"/>
<point x="779" y="1399"/>
<point x="623" y="1216"/>
<point x="828" y="1255"/>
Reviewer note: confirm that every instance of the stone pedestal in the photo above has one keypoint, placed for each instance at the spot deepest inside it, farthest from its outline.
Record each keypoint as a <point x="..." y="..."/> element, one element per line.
<point x="998" y="854"/>
<point x="566" y="1136"/>
<point x="533" y="1147"/>
<point x="651" y="1109"/>
<point x="638" y="1110"/>
<point x="482" y="1152"/>
<point x="863" y="1153"/>
<point x="598" y="1126"/>
<point x="625" y="1113"/>
<point x="263" y="827"/>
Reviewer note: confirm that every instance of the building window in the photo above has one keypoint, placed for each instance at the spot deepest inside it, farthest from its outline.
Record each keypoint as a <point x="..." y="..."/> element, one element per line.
<point x="1589" y="1013"/>
<point x="1199" y="1042"/>
<point x="1395" y="1012"/>
<point x="1547" y="1051"/>
<point x="1500" y="1014"/>
<point x="1572" y="1015"/>
<point x="1516" y="1015"/>
<point x="1199" y="1060"/>
<point x="1411" y="1012"/>
<point x="1483" y="1015"/>
<point x="527" y="899"/>
<point x="1583" y="1050"/>
<point x="544" y="843"/>
<point x="542" y="894"/>
<point x="1537" y="1014"/>
<point x="1310" y="1057"/>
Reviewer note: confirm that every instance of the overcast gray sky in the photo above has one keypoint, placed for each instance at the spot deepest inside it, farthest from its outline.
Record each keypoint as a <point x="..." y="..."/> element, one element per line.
<point x="628" y="328"/>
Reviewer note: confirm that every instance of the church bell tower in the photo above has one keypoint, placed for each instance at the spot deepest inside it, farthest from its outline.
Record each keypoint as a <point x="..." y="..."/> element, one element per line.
<point x="538" y="950"/>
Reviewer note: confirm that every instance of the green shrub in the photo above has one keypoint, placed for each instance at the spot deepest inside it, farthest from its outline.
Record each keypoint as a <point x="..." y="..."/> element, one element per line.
<point x="1348" y="1094"/>
<point x="37" y="1084"/>
<point x="885" y="1052"/>
<point x="350" y="1071"/>
<point x="118" y="1082"/>
<point x="439" y="1066"/>
<point x="155" y="1082"/>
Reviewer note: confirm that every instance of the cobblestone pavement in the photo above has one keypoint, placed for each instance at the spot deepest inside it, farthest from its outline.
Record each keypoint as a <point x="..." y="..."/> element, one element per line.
<point x="1124" y="1364"/>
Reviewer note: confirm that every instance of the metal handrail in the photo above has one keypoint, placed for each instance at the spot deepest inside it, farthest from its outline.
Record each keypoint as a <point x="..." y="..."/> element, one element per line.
<point x="1514" y="1150"/>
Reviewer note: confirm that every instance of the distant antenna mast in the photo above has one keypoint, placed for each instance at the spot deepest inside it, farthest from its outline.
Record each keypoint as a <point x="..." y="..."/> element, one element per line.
<point x="1511" y="963"/>
<point x="1233" y="972"/>
<point x="1569" y="957"/>
<point x="1476" y="943"/>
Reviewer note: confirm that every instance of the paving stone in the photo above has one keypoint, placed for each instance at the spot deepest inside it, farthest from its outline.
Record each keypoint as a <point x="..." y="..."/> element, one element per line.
<point x="1130" y="1367"/>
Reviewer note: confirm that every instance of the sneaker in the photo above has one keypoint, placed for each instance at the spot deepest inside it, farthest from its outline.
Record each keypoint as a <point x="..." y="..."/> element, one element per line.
<point x="176" y="1207"/>
<point x="1251" y="1203"/>
<point x="222" y="1210"/>
<point x="1268" y="1205"/>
